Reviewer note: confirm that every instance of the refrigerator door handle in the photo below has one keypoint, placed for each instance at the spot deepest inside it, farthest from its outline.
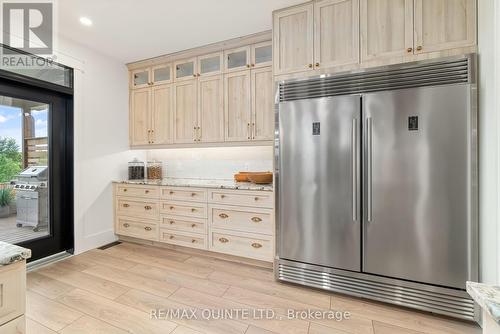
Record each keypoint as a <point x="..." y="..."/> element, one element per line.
<point x="369" y="168"/>
<point x="354" y="152"/>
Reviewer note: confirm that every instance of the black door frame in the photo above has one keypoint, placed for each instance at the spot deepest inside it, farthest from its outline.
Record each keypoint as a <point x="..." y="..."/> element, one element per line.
<point x="61" y="170"/>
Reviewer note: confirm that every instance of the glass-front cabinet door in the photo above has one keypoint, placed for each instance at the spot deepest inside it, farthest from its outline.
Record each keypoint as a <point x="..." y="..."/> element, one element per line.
<point x="162" y="74"/>
<point x="140" y="78"/>
<point x="262" y="54"/>
<point x="237" y="59"/>
<point x="185" y="69"/>
<point x="210" y="64"/>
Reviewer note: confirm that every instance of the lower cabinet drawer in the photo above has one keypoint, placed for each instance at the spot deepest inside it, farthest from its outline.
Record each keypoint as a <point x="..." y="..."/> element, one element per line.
<point x="241" y="219"/>
<point x="191" y="225"/>
<point x="185" y="239"/>
<point x="186" y="209"/>
<point x="137" y="228"/>
<point x="260" y="199"/>
<point x="12" y="292"/>
<point x="253" y="246"/>
<point x="133" y="207"/>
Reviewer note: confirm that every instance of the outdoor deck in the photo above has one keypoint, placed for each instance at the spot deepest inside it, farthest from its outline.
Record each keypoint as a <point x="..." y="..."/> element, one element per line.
<point x="10" y="233"/>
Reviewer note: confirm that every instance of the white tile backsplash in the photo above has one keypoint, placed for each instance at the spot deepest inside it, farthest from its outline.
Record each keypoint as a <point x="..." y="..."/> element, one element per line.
<point x="213" y="162"/>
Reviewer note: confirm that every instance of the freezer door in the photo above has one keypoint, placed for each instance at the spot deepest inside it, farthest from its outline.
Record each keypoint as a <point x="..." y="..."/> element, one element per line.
<point x="319" y="164"/>
<point x="416" y="172"/>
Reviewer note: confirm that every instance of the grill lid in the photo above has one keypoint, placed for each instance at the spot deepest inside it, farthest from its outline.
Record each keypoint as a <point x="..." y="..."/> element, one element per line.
<point x="34" y="172"/>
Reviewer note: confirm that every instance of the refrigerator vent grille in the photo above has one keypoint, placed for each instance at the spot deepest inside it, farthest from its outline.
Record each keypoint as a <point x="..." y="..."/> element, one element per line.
<point x="417" y="75"/>
<point x="455" y="306"/>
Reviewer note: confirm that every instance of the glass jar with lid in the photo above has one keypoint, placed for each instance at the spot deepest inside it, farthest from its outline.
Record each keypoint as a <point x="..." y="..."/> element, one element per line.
<point x="154" y="170"/>
<point x="136" y="170"/>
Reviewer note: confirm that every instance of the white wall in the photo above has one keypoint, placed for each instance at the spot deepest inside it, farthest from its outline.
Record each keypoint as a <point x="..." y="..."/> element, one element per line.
<point x="101" y="140"/>
<point x="216" y="162"/>
<point x="489" y="145"/>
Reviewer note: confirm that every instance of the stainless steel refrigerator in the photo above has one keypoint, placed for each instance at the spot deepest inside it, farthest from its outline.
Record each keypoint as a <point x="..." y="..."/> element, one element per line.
<point x="376" y="183"/>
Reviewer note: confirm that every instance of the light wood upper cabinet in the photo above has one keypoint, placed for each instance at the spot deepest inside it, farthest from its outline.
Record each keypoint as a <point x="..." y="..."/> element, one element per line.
<point x="386" y="28"/>
<point x="185" y="111"/>
<point x="140" y="116"/>
<point x="262" y="104"/>
<point x="293" y="39"/>
<point x="336" y="32"/>
<point x="237" y="59"/>
<point x="161" y="74"/>
<point x="210" y="64"/>
<point x="262" y="55"/>
<point x="185" y="69"/>
<point x="140" y="78"/>
<point x="237" y="106"/>
<point x="444" y="24"/>
<point x="210" y="122"/>
<point x="162" y="104"/>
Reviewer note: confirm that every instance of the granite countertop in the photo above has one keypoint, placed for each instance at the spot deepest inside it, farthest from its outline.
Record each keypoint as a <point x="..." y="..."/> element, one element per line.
<point x="11" y="253"/>
<point x="487" y="296"/>
<point x="204" y="183"/>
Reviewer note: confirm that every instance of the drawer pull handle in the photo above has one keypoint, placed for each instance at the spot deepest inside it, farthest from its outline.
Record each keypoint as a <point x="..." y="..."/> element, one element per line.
<point x="193" y="226"/>
<point x="126" y="225"/>
<point x="171" y="208"/>
<point x="193" y="209"/>
<point x="147" y="228"/>
<point x="171" y="192"/>
<point x="193" y="241"/>
<point x="256" y="219"/>
<point x="223" y="216"/>
<point x="126" y="205"/>
<point x="256" y="198"/>
<point x="147" y="207"/>
<point x="193" y="194"/>
<point x="222" y="196"/>
<point x="171" y="237"/>
<point x="171" y="222"/>
<point x="223" y="240"/>
<point x="146" y="191"/>
<point x="125" y="190"/>
<point x="256" y="245"/>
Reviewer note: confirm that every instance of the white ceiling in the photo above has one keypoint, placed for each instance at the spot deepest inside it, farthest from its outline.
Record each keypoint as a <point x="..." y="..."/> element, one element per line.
<point x="131" y="30"/>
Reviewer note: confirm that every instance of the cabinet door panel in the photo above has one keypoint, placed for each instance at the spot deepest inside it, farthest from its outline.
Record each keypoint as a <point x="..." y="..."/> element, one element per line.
<point x="185" y="69"/>
<point x="211" y="109"/>
<point x="185" y="109"/>
<point x="140" y="118"/>
<point x="262" y="104"/>
<point x="386" y="28"/>
<point x="262" y="54"/>
<point x="237" y="59"/>
<point x="336" y="32"/>
<point x="161" y="74"/>
<point x="162" y="114"/>
<point x="444" y="24"/>
<point x="293" y="39"/>
<point x="140" y="78"/>
<point x="237" y="106"/>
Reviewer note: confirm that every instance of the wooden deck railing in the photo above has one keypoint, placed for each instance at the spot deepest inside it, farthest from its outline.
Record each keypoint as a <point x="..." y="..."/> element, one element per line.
<point x="36" y="151"/>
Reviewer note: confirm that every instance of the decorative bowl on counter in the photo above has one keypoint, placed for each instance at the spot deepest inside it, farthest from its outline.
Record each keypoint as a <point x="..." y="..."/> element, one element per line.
<point x="254" y="177"/>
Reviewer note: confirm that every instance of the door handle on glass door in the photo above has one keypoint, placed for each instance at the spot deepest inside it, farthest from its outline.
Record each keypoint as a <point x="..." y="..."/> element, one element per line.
<point x="369" y="168"/>
<point x="354" y="162"/>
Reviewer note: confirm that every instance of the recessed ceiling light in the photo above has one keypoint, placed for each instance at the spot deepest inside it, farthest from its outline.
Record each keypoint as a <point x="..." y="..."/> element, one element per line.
<point x="85" y="21"/>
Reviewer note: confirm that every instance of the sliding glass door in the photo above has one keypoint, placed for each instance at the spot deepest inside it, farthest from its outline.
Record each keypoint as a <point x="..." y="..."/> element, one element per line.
<point x="36" y="168"/>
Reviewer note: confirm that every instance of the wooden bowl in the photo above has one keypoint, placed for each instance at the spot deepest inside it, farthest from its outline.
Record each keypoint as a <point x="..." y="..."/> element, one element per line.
<point x="261" y="178"/>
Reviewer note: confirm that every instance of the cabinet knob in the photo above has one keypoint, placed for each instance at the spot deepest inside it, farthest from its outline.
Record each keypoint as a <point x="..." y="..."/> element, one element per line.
<point x="223" y="240"/>
<point x="256" y="245"/>
<point x="253" y="65"/>
<point x="256" y="219"/>
<point x="222" y="196"/>
<point x="171" y="237"/>
<point x="171" y="208"/>
<point x="317" y="64"/>
<point x="193" y="194"/>
<point x="310" y="65"/>
<point x="248" y="65"/>
<point x="171" y="222"/>
<point x="223" y="216"/>
<point x="193" y="241"/>
<point x="194" y="75"/>
<point x="126" y="205"/>
<point x="193" y="225"/>
<point x="171" y="192"/>
<point x="147" y="207"/>
<point x="256" y="199"/>
<point x="193" y="209"/>
<point x="126" y="225"/>
<point x="409" y="50"/>
<point x="147" y="228"/>
<point x="146" y="191"/>
<point x="125" y="190"/>
<point x="419" y="48"/>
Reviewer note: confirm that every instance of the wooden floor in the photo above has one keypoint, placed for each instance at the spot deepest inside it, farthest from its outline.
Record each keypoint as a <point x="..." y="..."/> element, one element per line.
<point x="114" y="291"/>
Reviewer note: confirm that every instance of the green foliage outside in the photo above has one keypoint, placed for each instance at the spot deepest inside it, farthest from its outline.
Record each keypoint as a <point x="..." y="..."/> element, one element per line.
<point x="11" y="160"/>
<point x="6" y="197"/>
